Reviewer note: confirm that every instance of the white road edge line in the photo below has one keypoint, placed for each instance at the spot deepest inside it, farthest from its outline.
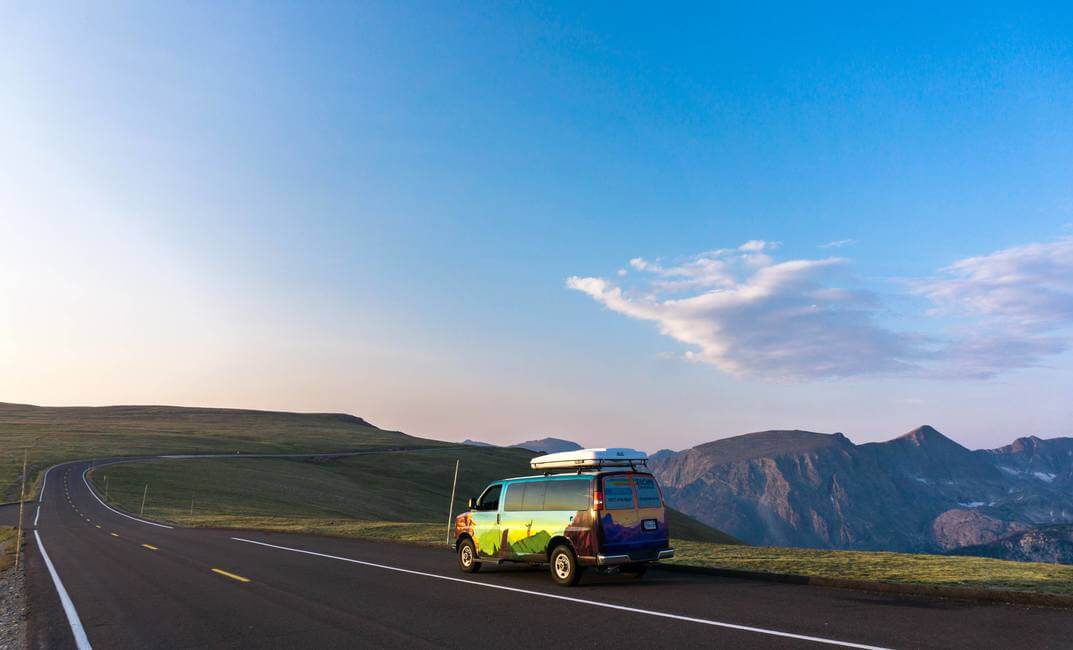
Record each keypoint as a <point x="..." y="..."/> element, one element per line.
<point x="123" y="514"/>
<point x="81" y="640"/>
<point x="624" y="608"/>
<point x="41" y="496"/>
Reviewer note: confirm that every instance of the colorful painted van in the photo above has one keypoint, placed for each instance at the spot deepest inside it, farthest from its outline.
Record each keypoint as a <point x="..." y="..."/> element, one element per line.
<point x="606" y="516"/>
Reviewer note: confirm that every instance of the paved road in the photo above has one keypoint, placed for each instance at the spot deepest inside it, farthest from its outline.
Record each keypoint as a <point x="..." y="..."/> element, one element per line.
<point x="132" y="584"/>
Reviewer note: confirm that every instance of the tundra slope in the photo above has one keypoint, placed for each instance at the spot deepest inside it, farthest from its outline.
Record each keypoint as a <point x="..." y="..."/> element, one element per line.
<point x="918" y="492"/>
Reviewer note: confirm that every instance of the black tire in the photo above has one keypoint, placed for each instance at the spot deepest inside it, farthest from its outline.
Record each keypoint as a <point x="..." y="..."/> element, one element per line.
<point x="634" y="570"/>
<point x="467" y="556"/>
<point x="565" y="570"/>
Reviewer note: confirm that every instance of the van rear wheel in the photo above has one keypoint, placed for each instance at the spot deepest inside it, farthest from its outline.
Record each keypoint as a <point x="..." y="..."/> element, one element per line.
<point x="467" y="557"/>
<point x="565" y="570"/>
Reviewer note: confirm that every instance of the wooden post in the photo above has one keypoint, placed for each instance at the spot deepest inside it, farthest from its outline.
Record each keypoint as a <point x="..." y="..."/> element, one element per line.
<point x="22" y="498"/>
<point x="451" y="510"/>
<point x="144" y="495"/>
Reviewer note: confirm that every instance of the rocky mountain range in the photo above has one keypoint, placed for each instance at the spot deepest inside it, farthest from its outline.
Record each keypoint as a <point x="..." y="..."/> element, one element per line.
<point x="920" y="492"/>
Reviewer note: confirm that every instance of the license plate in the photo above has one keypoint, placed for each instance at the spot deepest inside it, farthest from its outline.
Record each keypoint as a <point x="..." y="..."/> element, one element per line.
<point x="650" y="524"/>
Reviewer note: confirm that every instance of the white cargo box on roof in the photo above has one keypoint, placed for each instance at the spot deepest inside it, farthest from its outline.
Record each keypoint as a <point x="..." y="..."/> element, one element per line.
<point x="590" y="459"/>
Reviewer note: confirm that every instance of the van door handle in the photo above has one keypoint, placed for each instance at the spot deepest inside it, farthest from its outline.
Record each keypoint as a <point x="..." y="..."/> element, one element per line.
<point x="497" y="519"/>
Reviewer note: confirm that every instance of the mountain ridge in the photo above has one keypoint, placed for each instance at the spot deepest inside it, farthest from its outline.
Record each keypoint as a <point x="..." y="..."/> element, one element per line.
<point x="920" y="491"/>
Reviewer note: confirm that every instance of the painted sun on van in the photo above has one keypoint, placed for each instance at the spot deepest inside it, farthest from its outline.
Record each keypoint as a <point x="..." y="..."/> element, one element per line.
<point x="590" y="508"/>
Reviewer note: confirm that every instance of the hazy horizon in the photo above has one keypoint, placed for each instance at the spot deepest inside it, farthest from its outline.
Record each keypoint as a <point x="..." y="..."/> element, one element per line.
<point x="509" y="222"/>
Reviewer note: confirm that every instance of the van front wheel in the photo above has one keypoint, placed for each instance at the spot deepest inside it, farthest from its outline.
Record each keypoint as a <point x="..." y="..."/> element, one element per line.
<point x="564" y="567"/>
<point x="467" y="557"/>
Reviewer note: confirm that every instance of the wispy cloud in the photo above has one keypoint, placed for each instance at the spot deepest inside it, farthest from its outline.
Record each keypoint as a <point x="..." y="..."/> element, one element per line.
<point x="748" y="314"/>
<point x="745" y="313"/>
<point x="1018" y="301"/>
<point x="1029" y="287"/>
<point x="838" y="243"/>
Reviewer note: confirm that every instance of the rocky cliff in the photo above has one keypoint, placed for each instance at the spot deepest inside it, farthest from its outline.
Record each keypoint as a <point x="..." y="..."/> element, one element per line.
<point x="921" y="491"/>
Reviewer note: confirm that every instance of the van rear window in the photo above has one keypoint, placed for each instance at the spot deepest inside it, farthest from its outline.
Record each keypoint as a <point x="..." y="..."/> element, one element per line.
<point x="647" y="492"/>
<point x="618" y="492"/>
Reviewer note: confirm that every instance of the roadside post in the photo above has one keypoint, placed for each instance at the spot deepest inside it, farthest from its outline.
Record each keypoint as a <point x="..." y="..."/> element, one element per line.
<point x="144" y="495"/>
<point x="451" y="510"/>
<point x="22" y="498"/>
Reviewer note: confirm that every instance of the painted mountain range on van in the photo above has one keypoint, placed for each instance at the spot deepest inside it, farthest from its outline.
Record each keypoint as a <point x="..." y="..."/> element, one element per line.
<point x="919" y="492"/>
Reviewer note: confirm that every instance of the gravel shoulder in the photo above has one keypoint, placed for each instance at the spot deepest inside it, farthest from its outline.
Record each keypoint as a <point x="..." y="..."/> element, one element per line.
<point x="13" y="613"/>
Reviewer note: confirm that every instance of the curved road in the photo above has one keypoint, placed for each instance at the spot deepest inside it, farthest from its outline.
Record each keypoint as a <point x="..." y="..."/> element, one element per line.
<point x="131" y="583"/>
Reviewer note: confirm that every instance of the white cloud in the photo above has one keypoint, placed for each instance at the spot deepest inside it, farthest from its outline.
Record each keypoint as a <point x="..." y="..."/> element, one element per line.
<point x="747" y="314"/>
<point x="1028" y="287"/>
<point x="757" y="245"/>
<point x="1019" y="301"/>
<point x="838" y="243"/>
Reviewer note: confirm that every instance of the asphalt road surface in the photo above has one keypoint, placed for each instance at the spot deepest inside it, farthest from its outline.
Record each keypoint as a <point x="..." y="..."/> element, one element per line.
<point x="128" y="583"/>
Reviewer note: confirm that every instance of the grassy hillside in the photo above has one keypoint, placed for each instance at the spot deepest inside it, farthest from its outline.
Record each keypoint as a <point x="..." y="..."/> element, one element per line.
<point x="414" y="486"/>
<point x="55" y="434"/>
<point x="357" y="495"/>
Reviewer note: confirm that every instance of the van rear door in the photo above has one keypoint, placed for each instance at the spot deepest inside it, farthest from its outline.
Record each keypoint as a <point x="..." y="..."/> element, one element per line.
<point x="633" y="521"/>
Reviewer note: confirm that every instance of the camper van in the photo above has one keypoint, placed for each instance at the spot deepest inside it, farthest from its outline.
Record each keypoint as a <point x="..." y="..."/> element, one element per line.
<point x="589" y="508"/>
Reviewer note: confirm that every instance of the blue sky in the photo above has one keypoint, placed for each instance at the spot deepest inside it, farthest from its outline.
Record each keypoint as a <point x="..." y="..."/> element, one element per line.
<point x="378" y="209"/>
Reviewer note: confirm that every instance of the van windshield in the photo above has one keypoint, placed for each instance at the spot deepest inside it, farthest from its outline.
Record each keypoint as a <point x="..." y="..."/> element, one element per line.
<point x="490" y="499"/>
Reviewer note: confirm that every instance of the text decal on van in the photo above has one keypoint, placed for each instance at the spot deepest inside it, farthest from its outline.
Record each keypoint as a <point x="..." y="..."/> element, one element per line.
<point x="618" y="493"/>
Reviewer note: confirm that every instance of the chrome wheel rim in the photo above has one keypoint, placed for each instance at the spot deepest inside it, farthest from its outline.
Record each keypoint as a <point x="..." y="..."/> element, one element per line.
<point x="467" y="555"/>
<point x="562" y="566"/>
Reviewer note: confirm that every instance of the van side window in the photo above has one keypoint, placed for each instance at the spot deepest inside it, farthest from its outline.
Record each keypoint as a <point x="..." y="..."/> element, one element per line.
<point x="618" y="492"/>
<point x="513" y="501"/>
<point x="647" y="492"/>
<point x="490" y="498"/>
<point x="568" y="494"/>
<point x="534" y="495"/>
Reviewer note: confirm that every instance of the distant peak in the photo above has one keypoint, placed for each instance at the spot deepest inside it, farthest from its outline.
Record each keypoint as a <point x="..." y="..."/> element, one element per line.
<point x="549" y="445"/>
<point x="926" y="435"/>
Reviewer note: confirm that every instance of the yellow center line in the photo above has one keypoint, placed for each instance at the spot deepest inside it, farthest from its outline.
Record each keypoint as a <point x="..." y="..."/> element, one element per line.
<point x="114" y="534"/>
<point x="231" y="575"/>
<point x="150" y="547"/>
<point x="98" y="525"/>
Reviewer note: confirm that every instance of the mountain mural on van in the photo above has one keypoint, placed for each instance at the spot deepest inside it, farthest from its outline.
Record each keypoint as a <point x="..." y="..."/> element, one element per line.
<point x="519" y="538"/>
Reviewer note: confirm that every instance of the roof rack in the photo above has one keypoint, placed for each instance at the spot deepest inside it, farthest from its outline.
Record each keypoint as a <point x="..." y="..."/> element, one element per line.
<point x="588" y="459"/>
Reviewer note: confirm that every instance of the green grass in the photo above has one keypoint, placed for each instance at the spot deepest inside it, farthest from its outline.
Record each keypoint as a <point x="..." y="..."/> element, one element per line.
<point x="414" y="486"/>
<point x="56" y="434"/>
<point x="932" y="570"/>
<point x="353" y="496"/>
<point x="7" y="547"/>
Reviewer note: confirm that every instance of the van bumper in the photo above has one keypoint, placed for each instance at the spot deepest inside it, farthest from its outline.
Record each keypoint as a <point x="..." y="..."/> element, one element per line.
<point x="637" y="556"/>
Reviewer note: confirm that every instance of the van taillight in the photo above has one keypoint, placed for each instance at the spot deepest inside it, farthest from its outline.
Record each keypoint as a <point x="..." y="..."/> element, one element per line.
<point x="598" y="500"/>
